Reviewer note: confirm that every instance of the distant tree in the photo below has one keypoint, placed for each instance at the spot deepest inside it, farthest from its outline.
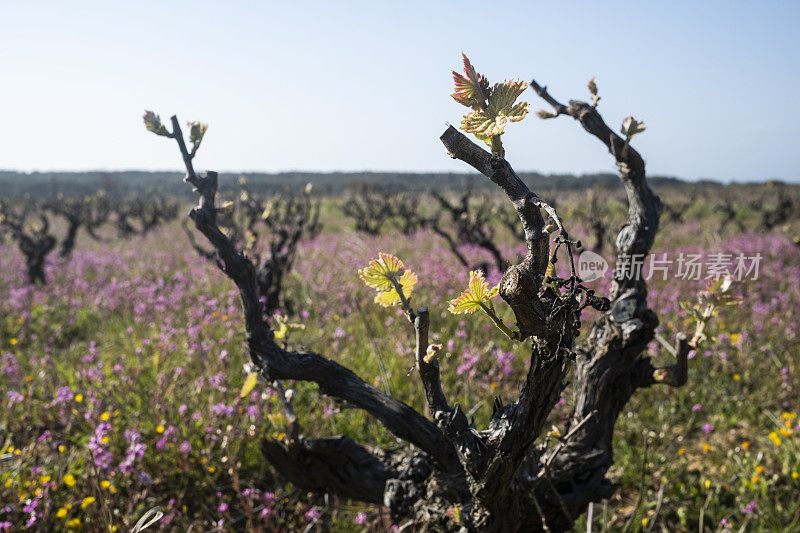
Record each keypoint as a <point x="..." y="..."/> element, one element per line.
<point x="369" y="208"/>
<point x="467" y="223"/>
<point x="598" y="217"/>
<point x="34" y="240"/>
<point x="727" y="210"/>
<point x="676" y="212"/>
<point x="141" y="215"/>
<point x="405" y="209"/>
<point x="781" y="211"/>
<point x="89" y="212"/>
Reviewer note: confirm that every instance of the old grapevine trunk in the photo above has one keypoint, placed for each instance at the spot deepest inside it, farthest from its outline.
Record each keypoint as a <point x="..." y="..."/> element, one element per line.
<point x="453" y="476"/>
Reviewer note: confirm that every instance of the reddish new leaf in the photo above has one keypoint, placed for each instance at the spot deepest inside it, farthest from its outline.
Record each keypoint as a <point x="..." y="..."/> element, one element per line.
<point x="472" y="89"/>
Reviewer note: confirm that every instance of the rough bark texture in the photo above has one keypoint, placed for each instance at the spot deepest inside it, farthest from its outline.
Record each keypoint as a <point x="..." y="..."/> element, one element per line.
<point x="453" y="476"/>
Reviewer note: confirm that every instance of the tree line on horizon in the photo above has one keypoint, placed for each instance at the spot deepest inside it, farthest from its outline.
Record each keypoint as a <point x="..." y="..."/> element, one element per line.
<point x="134" y="182"/>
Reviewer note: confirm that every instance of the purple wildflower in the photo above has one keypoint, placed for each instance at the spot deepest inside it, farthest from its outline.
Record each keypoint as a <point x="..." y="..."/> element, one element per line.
<point x="13" y="397"/>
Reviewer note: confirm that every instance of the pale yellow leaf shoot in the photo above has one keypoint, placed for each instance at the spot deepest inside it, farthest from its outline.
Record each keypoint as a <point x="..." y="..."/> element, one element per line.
<point x="478" y="294"/>
<point x="385" y="274"/>
<point x="249" y="384"/>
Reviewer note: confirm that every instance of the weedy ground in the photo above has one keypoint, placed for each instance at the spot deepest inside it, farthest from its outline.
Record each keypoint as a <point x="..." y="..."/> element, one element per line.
<point x="121" y="386"/>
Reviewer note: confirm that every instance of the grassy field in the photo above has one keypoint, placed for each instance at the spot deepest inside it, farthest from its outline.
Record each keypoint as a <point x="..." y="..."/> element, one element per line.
<point x="121" y="385"/>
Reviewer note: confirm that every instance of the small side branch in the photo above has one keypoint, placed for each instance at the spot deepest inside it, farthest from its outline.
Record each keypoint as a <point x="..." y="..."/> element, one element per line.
<point x="452" y="420"/>
<point x="557" y="106"/>
<point x="428" y="371"/>
<point x="675" y="375"/>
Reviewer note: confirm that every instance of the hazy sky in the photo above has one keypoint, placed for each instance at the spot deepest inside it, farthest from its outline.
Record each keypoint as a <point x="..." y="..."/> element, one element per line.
<point x="366" y="85"/>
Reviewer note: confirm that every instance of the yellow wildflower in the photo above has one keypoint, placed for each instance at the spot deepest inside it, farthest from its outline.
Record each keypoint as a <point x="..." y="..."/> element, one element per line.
<point x="746" y="444"/>
<point x="75" y="523"/>
<point x="736" y="377"/>
<point x="105" y="416"/>
<point x="706" y="447"/>
<point x="79" y="397"/>
<point x="759" y="469"/>
<point x="776" y="440"/>
<point x="682" y="451"/>
<point x="105" y="484"/>
<point x="160" y="429"/>
<point x="69" y="480"/>
<point x="755" y="479"/>
<point x="61" y="513"/>
<point x="87" y="501"/>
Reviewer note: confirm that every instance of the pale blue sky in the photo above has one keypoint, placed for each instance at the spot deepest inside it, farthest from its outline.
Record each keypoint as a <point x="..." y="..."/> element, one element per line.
<point x="327" y="86"/>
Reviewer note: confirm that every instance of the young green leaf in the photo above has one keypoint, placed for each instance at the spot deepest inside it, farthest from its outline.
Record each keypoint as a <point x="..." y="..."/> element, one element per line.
<point x="492" y="121"/>
<point x="284" y="328"/>
<point x="631" y="127"/>
<point x="380" y="273"/>
<point x="249" y="384"/>
<point x="391" y="297"/>
<point x="389" y="277"/>
<point x="153" y="123"/>
<point x="477" y="294"/>
<point x="196" y="132"/>
<point x="472" y="89"/>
